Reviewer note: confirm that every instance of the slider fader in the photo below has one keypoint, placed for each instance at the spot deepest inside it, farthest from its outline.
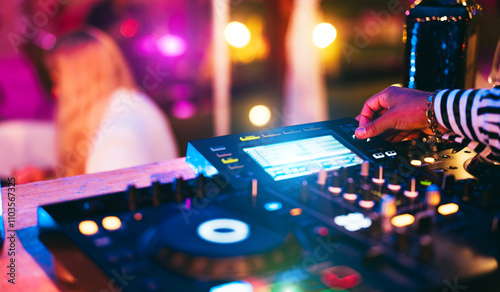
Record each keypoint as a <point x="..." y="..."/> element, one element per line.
<point x="299" y="208"/>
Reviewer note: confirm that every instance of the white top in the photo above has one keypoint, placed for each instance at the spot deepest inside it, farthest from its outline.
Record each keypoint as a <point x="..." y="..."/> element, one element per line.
<point x="26" y="143"/>
<point x="134" y="131"/>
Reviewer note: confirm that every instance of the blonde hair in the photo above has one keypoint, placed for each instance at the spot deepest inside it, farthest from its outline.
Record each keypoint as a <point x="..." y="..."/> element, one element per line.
<point x="87" y="67"/>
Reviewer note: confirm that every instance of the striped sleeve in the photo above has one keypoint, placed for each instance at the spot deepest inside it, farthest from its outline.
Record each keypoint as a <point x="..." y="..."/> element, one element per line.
<point x="473" y="114"/>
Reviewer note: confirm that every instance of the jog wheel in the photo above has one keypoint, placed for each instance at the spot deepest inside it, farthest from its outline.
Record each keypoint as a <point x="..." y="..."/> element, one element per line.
<point x="218" y="244"/>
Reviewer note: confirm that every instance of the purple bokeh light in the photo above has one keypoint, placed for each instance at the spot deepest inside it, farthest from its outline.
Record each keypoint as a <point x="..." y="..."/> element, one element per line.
<point x="171" y="45"/>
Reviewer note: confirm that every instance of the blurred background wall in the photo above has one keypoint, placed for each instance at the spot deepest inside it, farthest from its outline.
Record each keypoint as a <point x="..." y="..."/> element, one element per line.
<point x="358" y="49"/>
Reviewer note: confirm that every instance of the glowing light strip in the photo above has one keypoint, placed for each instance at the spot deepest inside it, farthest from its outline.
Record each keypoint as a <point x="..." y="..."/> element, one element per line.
<point x="413" y="42"/>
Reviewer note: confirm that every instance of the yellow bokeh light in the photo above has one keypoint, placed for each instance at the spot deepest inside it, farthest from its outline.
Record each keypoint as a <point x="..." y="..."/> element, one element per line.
<point x="259" y="115"/>
<point x="111" y="223"/>
<point x="323" y="35"/>
<point x="237" y="34"/>
<point x="448" y="209"/>
<point x="88" y="227"/>
<point x="296" y="211"/>
<point x="403" y="220"/>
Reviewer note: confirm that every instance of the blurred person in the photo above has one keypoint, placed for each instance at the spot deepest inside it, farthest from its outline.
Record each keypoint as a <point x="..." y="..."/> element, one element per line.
<point x="103" y="121"/>
<point x="468" y="116"/>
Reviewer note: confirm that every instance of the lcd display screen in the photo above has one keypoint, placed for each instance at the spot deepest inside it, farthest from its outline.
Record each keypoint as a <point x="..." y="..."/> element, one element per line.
<point x="302" y="157"/>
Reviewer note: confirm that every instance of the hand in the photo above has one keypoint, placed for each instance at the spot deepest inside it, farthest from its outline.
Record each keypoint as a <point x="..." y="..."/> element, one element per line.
<point x="397" y="112"/>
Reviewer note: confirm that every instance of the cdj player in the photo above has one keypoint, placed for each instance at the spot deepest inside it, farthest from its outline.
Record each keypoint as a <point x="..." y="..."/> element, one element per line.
<point x="299" y="208"/>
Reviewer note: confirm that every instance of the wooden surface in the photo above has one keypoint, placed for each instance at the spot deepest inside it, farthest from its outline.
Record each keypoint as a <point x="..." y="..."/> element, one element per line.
<point x="29" y="275"/>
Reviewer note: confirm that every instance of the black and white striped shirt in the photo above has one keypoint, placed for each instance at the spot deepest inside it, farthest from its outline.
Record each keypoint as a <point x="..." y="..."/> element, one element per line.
<point x="473" y="117"/>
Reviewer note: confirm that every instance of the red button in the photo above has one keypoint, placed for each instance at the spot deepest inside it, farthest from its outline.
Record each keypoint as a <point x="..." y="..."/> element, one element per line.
<point x="340" y="277"/>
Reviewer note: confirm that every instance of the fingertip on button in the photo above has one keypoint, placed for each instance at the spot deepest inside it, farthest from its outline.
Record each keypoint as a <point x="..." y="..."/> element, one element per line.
<point x="360" y="132"/>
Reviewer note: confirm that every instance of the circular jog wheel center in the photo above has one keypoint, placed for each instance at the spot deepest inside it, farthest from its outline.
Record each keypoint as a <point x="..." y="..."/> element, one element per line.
<point x="220" y="244"/>
<point x="223" y="231"/>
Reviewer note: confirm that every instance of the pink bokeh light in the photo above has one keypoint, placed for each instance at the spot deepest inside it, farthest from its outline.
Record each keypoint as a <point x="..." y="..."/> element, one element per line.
<point x="129" y="28"/>
<point x="184" y="109"/>
<point x="171" y="45"/>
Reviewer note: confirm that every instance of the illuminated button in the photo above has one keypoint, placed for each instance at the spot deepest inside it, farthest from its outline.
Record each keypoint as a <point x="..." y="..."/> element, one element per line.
<point x="448" y="209"/>
<point x="291" y="131"/>
<point x="323" y="231"/>
<point x="429" y="160"/>
<point x="403" y="220"/>
<point x="224" y="231"/>
<point x="138" y="216"/>
<point x="233" y="167"/>
<point x="378" y="155"/>
<point x="248" y="138"/>
<point x="432" y="196"/>
<point x="296" y="211"/>
<point x="266" y="135"/>
<point x="353" y="221"/>
<point x="273" y="206"/>
<point x="425" y="182"/>
<point x="391" y="153"/>
<point x="218" y="148"/>
<point x="240" y="286"/>
<point x="340" y="277"/>
<point x="311" y="128"/>
<point x="229" y="160"/>
<point x="220" y="155"/>
<point x="416" y="162"/>
<point x="366" y="204"/>
<point x="111" y="223"/>
<point x="350" y="197"/>
<point x="88" y="227"/>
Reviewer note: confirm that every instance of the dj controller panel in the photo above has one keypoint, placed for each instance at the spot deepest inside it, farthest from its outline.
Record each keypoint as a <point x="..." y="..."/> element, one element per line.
<point x="299" y="208"/>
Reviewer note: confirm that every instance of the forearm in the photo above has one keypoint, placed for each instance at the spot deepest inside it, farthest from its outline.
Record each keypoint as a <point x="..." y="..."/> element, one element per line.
<point x="471" y="113"/>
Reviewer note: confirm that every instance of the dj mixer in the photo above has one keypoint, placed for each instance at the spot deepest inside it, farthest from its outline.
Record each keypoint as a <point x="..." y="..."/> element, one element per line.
<point x="298" y="208"/>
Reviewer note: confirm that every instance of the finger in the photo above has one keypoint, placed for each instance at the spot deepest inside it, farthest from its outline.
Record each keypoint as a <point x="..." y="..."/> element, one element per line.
<point x="375" y="127"/>
<point x="414" y="135"/>
<point x="400" y="135"/>
<point x="374" y="105"/>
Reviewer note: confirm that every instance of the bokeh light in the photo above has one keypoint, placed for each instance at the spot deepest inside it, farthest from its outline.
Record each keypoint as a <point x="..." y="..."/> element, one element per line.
<point x="49" y="41"/>
<point x="259" y="115"/>
<point x="184" y="109"/>
<point x="323" y="35"/>
<point x="237" y="34"/>
<point x="88" y="227"/>
<point x="172" y="45"/>
<point x="111" y="223"/>
<point x="129" y="28"/>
